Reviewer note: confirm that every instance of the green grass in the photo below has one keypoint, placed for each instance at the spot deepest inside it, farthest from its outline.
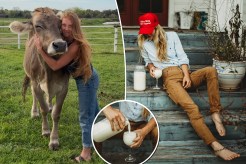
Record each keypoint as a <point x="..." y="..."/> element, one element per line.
<point x="20" y="136"/>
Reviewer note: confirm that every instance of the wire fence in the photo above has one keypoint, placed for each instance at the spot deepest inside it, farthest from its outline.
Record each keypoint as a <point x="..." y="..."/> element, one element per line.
<point x="106" y="35"/>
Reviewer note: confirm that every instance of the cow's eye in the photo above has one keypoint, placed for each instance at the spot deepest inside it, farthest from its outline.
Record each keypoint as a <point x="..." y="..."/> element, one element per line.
<point x="38" y="27"/>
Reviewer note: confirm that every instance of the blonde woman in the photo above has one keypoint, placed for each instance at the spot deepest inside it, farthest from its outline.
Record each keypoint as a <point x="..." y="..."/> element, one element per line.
<point x="77" y="60"/>
<point x="163" y="50"/>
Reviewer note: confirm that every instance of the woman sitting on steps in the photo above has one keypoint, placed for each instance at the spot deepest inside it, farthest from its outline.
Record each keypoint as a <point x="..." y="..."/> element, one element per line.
<point x="163" y="50"/>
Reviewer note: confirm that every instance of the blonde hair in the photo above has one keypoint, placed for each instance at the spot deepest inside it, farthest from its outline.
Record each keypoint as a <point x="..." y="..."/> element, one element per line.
<point x="160" y="42"/>
<point x="145" y="113"/>
<point x="84" y="53"/>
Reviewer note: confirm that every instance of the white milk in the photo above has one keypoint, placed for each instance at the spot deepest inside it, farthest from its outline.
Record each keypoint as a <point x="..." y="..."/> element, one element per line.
<point x="139" y="81"/>
<point x="157" y="73"/>
<point x="102" y="130"/>
<point x="128" y="137"/>
<point x="129" y="127"/>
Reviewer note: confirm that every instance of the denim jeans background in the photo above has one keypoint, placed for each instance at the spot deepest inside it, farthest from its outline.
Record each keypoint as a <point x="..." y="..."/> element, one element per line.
<point x="88" y="105"/>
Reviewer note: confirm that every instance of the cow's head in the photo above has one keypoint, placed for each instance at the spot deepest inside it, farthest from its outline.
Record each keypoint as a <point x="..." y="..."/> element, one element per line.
<point x="46" y="24"/>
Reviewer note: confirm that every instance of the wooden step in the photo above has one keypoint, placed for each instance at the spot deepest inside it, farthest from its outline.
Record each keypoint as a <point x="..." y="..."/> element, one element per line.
<point x="159" y="100"/>
<point x="172" y="152"/>
<point x="195" y="45"/>
<point x="188" y="39"/>
<point x="175" y="125"/>
<point x="195" y="152"/>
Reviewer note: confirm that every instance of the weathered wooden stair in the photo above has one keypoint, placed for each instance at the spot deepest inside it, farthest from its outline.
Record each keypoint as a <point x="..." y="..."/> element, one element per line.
<point x="178" y="141"/>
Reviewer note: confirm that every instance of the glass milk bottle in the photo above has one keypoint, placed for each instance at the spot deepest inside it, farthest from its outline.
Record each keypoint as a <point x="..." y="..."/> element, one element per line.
<point x="139" y="78"/>
<point x="102" y="130"/>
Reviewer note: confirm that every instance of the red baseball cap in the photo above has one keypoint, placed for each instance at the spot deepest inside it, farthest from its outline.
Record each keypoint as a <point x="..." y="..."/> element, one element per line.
<point x="147" y="23"/>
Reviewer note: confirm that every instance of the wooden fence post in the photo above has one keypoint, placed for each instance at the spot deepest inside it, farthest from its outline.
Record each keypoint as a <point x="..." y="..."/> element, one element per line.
<point x="115" y="37"/>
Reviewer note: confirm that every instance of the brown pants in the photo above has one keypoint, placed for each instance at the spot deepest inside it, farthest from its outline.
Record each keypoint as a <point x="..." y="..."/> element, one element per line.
<point x="172" y="82"/>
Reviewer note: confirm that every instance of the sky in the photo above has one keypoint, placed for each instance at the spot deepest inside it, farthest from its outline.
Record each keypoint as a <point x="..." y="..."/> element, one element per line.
<point x="58" y="4"/>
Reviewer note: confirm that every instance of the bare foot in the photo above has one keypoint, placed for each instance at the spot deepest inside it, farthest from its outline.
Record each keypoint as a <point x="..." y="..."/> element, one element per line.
<point x="226" y="154"/>
<point x="218" y="123"/>
<point x="223" y="153"/>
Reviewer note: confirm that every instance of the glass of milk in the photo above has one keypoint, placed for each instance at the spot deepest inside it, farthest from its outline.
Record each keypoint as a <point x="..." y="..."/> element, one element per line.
<point x="128" y="138"/>
<point x="157" y="73"/>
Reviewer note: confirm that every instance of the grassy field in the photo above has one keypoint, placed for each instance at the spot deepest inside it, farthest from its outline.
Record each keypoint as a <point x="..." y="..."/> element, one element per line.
<point x="20" y="136"/>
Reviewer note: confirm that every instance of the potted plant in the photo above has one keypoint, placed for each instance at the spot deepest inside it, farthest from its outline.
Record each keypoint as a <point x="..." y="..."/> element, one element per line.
<point x="228" y="49"/>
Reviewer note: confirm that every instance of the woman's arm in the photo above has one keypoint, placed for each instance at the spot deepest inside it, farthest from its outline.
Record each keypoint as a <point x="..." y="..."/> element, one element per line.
<point x="65" y="59"/>
<point x="141" y="133"/>
<point x="186" y="79"/>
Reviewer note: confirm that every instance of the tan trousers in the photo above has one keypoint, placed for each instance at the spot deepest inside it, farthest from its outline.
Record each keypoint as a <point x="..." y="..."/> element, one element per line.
<point x="172" y="82"/>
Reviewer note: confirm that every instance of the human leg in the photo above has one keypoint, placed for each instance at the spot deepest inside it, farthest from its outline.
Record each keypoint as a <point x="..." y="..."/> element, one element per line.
<point x="181" y="97"/>
<point x="209" y="74"/>
<point x="173" y="77"/>
<point x="88" y="109"/>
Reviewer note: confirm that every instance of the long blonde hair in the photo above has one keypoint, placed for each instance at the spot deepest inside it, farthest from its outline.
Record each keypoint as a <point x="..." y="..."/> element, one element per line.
<point x="145" y="113"/>
<point x="160" y="41"/>
<point x="84" y="54"/>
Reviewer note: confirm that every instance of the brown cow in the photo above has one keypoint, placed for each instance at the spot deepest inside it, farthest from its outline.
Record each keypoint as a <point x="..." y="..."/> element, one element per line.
<point x="45" y="81"/>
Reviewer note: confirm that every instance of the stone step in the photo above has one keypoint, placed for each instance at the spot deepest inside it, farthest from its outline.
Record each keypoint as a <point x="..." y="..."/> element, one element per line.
<point x="150" y="82"/>
<point x="195" y="152"/>
<point x="196" y="55"/>
<point x="175" y="125"/>
<point x="159" y="100"/>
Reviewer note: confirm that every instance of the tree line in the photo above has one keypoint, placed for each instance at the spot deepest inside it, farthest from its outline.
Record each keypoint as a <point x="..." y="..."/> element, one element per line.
<point x="88" y="13"/>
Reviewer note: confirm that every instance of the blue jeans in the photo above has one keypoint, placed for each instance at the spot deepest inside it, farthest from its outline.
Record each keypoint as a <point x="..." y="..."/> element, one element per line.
<point x="88" y="105"/>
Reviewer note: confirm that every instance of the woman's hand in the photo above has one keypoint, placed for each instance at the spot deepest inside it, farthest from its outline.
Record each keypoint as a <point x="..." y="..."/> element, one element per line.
<point x="115" y="117"/>
<point x="37" y="42"/>
<point x="151" y="70"/>
<point x="139" y="139"/>
<point x="186" y="82"/>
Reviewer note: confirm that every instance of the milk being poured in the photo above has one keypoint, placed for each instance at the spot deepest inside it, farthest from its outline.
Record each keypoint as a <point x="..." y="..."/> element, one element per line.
<point x="129" y="136"/>
<point x="102" y="130"/>
<point x="129" y="128"/>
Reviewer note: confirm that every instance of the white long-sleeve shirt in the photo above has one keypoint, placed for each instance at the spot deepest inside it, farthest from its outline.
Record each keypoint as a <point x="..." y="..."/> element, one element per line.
<point x="175" y="52"/>
<point x="133" y="111"/>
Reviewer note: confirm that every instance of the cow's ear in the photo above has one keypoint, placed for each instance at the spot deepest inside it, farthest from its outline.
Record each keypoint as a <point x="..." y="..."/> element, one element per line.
<point x="20" y="27"/>
<point x="59" y="14"/>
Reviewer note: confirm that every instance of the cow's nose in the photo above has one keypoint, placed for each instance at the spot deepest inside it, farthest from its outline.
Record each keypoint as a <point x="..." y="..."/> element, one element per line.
<point x="59" y="46"/>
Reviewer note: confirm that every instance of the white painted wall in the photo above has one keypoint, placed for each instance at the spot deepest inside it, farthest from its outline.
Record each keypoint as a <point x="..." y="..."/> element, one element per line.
<point x="223" y="7"/>
<point x="184" y="5"/>
<point x="244" y="12"/>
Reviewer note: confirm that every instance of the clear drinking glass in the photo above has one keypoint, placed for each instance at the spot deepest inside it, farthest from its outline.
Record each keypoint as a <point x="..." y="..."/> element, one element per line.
<point x="128" y="138"/>
<point x="157" y="73"/>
